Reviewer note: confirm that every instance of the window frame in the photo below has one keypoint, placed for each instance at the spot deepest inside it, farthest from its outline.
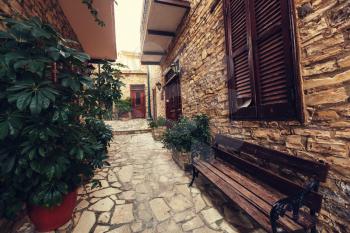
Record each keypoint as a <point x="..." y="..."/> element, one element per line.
<point x="296" y="77"/>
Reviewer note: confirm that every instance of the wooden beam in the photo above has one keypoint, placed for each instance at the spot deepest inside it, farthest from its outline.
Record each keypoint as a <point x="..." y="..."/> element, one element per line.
<point x="154" y="53"/>
<point x="161" y="33"/>
<point x="177" y="3"/>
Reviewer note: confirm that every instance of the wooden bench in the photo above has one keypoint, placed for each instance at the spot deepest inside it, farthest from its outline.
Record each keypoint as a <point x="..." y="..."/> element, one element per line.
<point x="277" y="190"/>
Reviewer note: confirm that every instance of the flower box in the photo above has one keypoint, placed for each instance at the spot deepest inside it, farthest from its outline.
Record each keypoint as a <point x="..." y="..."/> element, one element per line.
<point x="158" y="133"/>
<point x="182" y="159"/>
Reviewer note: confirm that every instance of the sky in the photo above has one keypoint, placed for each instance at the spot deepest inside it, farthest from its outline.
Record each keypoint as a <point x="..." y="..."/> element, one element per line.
<point x="128" y="21"/>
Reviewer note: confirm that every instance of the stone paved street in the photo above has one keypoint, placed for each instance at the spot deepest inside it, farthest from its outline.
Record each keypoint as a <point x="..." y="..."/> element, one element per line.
<point x="144" y="191"/>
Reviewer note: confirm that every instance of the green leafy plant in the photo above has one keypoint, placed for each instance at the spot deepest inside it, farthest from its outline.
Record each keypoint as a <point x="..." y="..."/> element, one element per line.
<point x="160" y="122"/>
<point x="124" y="106"/>
<point x="186" y="134"/>
<point x="105" y="91"/>
<point x="50" y="140"/>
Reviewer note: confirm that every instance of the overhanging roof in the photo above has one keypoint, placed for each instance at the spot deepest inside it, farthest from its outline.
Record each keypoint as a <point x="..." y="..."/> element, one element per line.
<point x="99" y="42"/>
<point x="160" y="22"/>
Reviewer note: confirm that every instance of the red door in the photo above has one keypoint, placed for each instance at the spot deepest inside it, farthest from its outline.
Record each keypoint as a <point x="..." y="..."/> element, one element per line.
<point x="173" y="99"/>
<point x="138" y="101"/>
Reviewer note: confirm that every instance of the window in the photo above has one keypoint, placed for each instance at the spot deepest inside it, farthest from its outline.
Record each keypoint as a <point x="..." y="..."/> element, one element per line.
<point x="138" y="99"/>
<point x="262" y="62"/>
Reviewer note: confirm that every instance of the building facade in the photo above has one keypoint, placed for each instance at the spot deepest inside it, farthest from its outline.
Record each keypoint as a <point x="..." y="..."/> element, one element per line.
<point x="275" y="73"/>
<point x="135" y="78"/>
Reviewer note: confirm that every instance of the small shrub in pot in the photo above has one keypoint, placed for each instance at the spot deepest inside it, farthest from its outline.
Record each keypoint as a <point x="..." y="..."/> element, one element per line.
<point x="158" y="128"/>
<point x="186" y="137"/>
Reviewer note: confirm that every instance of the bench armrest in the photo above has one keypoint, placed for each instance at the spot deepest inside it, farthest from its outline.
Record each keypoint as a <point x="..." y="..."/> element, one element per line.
<point x="293" y="203"/>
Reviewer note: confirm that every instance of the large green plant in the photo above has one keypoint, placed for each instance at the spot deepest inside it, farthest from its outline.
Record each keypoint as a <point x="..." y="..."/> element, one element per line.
<point x="48" y="145"/>
<point x="187" y="134"/>
<point x="124" y="106"/>
<point x="105" y="91"/>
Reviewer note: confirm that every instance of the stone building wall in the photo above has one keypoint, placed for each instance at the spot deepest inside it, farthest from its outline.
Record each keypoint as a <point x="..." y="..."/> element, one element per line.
<point x="48" y="11"/>
<point x="323" y="29"/>
<point x="133" y="73"/>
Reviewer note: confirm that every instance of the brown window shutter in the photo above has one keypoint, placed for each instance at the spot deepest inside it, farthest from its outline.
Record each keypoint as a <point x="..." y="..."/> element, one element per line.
<point x="241" y="79"/>
<point x="274" y="66"/>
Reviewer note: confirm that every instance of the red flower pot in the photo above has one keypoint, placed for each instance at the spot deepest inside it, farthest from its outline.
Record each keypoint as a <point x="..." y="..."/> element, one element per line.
<point x="49" y="219"/>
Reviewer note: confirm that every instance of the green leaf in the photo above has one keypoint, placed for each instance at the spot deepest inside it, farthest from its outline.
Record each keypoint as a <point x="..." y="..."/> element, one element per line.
<point x="80" y="154"/>
<point x="39" y="33"/>
<point x="8" y="164"/>
<point x="83" y="57"/>
<point x="9" y="57"/>
<point x="32" y="154"/>
<point x="41" y="152"/>
<point x="50" y="172"/>
<point x="4" y="130"/>
<point x="35" y="166"/>
<point x="35" y="107"/>
<point x="23" y="101"/>
<point x="5" y="35"/>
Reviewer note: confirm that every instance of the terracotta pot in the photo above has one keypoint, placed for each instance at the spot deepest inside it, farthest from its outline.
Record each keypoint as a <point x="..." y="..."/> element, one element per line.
<point x="49" y="219"/>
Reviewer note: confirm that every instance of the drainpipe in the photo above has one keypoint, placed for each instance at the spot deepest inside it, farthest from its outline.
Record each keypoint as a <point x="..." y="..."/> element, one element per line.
<point x="149" y="117"/>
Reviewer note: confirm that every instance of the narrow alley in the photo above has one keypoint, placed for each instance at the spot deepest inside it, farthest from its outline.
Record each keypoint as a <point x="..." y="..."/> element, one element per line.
<point x="144" y="191"/>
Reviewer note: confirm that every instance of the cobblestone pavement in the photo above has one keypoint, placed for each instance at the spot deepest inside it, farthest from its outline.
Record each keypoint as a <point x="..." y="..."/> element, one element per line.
<point x="144" y="191"/>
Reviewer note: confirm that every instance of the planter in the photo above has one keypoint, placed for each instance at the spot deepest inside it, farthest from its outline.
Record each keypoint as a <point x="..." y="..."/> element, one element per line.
<point x="158" y="133"/>
<point x="125" y="116"/>
<point x="182" y="159"/>
<point x="49" y="219"/>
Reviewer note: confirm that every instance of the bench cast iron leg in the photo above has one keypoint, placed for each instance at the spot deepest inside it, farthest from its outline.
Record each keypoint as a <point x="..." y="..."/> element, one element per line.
<point x="194" y="175"/>
<point x="314" y="228"/>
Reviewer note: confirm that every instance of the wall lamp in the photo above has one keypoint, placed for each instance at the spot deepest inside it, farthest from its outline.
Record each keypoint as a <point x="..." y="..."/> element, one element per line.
<point x="159" y="86"/>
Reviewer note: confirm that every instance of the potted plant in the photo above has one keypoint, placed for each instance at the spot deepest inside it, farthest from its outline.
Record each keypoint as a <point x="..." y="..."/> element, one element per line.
<point x="50" y="139"/>
<point x="124" y="108"/>
<point x="158" y="128"/>
<point x="186" y="137"/>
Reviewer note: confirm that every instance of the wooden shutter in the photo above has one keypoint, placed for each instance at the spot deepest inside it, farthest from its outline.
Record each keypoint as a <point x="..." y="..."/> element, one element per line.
<point x="241" y="81"/>
<point x="274" y="64"/>
<point x="261" y="63"/>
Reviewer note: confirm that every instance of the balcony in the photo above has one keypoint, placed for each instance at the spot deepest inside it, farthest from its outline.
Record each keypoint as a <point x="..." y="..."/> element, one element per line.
<point x="99" y="42"/>
<point x="160" y="21"/>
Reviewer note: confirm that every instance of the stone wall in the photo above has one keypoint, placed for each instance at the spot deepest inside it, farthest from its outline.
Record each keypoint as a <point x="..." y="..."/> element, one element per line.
<point x="134" y="73"/>
<point x="47" y="10"/>
<point x="323" y="29"/>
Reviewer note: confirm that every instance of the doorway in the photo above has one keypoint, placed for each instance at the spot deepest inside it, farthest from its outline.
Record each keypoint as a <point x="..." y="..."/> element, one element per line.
<point x="173" y="98"/>
<point x="138" y="101"/>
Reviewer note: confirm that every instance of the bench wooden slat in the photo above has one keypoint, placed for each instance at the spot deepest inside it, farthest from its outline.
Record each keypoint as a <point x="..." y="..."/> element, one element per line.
<point x="252" y="198"/>
<point x="285" y="186"/>
<point x="267" y="194"/>
<point x="252" y="211"/>
<point x="304" y="166"/>
<point x="247" y="206"/>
